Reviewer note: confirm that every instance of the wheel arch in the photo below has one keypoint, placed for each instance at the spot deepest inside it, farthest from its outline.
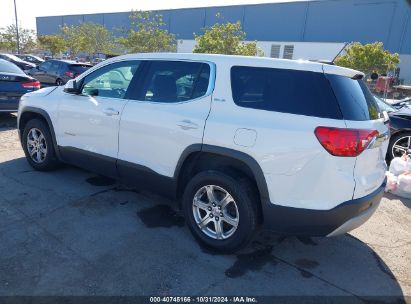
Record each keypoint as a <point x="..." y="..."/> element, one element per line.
<point x="198" y="158"/>
<point x="29" y="113"/>
<point x="400" y="132"/>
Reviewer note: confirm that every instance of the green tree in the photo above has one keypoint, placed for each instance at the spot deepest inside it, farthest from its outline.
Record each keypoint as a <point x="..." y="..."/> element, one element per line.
<point x="225" y="38"/>
<point x="73" y="38"/>
<point x="147" y="34"/>
<point x="368" y="58"/>
<point x="95" y="38"/>
<point x="53" y="43"/>
<point x="8" y="39"/>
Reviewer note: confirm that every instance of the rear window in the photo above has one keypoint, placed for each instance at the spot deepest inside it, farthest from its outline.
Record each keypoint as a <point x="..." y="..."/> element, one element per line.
<point x="79" y="68"/>
<point x="355" y="99"/>
<point x="281" y="90"/>
<point x="8" y="67"/>
<point x="13" y="57"/>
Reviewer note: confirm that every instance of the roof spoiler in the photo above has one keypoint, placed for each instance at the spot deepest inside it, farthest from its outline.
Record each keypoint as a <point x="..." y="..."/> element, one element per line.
<point x="358" y="76"/>
<point x="322" y="61"/>
<point x="337" y="70"/>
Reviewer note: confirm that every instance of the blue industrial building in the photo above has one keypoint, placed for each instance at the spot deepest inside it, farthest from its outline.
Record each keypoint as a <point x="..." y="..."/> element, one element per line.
<point x="326" y="21"/>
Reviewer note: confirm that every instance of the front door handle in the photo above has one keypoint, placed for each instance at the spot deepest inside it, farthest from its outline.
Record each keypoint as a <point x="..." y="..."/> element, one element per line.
<point x="111" y="112"/>
<point x="187" y="124"/>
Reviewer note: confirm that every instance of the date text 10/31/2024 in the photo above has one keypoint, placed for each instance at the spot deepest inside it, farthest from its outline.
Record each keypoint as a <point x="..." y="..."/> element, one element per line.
<point x="198" y="299"/>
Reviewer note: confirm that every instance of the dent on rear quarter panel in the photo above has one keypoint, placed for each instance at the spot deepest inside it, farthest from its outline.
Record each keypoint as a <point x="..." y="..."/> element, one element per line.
<point x="370" y="167"/>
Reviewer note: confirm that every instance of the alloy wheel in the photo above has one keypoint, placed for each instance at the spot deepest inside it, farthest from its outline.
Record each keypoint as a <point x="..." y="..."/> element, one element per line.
<point x="36" y="145"/>
<point x="401" y="146"/>
<point x="215" y="212"/>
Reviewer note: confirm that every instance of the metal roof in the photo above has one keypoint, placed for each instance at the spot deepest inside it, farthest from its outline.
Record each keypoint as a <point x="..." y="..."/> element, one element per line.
<point x="365" y="21"/>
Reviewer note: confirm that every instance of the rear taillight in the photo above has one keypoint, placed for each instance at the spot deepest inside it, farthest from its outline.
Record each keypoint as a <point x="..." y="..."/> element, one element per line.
<point x="33" y="84"/>
<point x="345" y="142"/>
<point x="69" y="74"/>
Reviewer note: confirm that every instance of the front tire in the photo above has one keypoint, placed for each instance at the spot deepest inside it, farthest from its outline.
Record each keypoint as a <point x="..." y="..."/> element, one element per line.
<point x="221" y="211"/>
<point x="38" y="146"/>
<point x="59" y="82"/>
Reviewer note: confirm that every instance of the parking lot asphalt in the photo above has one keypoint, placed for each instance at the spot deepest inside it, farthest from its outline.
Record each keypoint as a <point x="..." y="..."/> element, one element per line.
<point x="70" y="232"/>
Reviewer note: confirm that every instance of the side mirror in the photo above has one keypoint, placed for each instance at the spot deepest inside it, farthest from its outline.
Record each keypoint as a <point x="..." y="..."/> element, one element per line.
<point x="93" y="92"/>
<point x="71" y="87"/>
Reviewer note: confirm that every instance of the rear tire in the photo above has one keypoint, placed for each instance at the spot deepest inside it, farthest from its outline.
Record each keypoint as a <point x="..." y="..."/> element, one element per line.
<point x="230" y="227"/>
<point x="38" y="146"/>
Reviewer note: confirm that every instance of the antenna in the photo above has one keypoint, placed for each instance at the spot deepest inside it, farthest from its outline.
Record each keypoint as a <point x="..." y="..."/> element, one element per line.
<point x="343" y="48"/>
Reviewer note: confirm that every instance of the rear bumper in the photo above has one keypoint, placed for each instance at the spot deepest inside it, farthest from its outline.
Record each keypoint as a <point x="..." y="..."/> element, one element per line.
<point x="339" y="220"/>
<point x="9" y="105"/>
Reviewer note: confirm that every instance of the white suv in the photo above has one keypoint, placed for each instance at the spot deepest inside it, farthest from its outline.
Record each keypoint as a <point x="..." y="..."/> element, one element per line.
<point x="293" y="146"/>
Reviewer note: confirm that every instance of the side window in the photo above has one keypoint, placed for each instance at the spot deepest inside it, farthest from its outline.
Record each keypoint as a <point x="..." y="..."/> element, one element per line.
<point x="110" y="81"/>
<point x="175" y="81"/>
<point x="54" y="66"/>
<point x="282" y="90"/>
<point x="45" y="66"/>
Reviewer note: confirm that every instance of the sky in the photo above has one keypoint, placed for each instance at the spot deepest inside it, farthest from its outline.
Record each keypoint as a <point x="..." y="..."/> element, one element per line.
<point x="28" y="10"/>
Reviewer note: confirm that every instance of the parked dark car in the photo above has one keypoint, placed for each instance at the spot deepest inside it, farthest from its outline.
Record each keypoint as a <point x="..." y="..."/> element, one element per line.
<point x="58" y="72"/>
<point x="23" y="65"/>
<point x="13" y="84"/>
<point x="406" y="102"/>
<point x="400" y="127"/>
<point x="30" y="58"/>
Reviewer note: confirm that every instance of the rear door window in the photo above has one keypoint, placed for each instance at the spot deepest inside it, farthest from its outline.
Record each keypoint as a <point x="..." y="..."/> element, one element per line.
<point x="282" y="90"/>
<point x="355" y="99"/>
<point x="8" y="67"/>
<point x="175" y="81"/>
<point x="79" y="68"/>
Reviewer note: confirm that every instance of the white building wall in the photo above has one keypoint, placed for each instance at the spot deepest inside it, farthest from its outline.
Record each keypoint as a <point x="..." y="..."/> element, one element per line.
<point x="185" y="46"/>
<point x="302" y="50"/>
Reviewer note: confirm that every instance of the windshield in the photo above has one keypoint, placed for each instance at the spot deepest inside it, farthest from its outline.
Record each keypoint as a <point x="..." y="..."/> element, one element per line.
<point x="384" y="106"/>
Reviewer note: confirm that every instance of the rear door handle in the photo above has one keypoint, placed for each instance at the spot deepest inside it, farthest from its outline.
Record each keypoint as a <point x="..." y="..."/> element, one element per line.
<point x="111" y="112"/>
<point x="187" y="124"/>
